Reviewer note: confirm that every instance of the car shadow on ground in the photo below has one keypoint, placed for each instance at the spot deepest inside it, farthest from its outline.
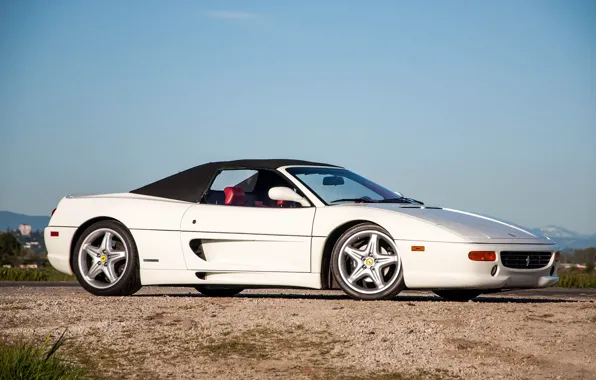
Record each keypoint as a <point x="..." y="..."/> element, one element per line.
<point x="400" y="298"/>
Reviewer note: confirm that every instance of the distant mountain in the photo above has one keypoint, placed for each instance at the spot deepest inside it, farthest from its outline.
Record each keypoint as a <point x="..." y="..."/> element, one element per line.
<point x="12" y="220"/>
<point x="566" y="238"/>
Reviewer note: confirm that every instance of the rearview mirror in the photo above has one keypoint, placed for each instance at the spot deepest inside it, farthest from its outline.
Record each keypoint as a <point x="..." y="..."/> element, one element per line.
<point x="281" y="193"/>
<point x="333" y="181"/>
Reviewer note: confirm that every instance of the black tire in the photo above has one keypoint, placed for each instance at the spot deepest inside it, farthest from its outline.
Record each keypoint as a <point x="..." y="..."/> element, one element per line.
<point x="212" y="291"/>
<point x="457" y="295"/>
<point x="390" y="292"/>
<point x="129" y="281"/>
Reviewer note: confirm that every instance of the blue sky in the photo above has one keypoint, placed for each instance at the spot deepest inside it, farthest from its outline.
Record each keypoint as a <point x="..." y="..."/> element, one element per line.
<point x="483" y="106"/>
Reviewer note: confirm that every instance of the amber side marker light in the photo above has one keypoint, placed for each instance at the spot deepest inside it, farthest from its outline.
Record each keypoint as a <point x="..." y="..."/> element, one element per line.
<point x="418" y="248"/>
<point x="482" y="256"/>
<point x="557" y="256"/>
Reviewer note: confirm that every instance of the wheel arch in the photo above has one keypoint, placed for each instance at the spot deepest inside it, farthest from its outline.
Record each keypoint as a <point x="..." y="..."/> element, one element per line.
<point x="82" y="229"/>
<point x="326" y="275"/>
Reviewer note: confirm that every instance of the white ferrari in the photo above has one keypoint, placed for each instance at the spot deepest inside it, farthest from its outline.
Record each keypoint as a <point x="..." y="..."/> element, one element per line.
<point x="226" y="226"/>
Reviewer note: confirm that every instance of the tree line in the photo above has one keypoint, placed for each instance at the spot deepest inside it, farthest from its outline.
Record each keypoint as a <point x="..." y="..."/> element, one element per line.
<point x="586" y="256"/>
<point x="13" y="253"/>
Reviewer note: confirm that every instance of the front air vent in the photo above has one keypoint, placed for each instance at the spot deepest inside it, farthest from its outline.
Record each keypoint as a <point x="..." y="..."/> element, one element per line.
<point x="197" y="247"/>
<point x="525" y="260"/>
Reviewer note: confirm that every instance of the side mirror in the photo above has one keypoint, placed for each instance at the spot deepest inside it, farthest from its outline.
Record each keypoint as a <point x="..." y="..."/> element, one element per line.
<point x="399" y="194"/>
<point x="281" y="193"/>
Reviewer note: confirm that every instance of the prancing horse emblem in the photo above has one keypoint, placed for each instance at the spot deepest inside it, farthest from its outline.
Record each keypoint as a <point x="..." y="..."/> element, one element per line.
<point x="528" y="261"/>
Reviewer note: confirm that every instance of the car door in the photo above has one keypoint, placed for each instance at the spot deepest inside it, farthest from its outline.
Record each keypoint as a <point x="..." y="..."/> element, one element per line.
<point x="248" y="236"/>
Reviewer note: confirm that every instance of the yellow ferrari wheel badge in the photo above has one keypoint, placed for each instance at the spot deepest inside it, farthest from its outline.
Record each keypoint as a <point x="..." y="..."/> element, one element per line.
<point x="369" y="261"/>
<point x="103" y="258"/>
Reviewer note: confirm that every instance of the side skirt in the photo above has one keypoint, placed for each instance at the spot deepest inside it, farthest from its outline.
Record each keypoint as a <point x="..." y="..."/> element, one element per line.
<point x="193" y="277"/>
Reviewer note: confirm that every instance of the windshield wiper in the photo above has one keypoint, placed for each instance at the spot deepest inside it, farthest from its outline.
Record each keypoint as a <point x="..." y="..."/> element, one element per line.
<point x="389" y="200"/>
<point x="394" y="200"/>
<point x="401" y="200"/>
<point x="354" y="200"/>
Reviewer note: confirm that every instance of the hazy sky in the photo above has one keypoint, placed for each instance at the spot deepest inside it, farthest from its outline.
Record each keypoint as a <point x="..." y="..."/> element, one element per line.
<point x="478" y="105"/>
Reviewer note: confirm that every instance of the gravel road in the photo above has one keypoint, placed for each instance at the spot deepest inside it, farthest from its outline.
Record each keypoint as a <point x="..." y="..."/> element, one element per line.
<point x="166" y="333"/>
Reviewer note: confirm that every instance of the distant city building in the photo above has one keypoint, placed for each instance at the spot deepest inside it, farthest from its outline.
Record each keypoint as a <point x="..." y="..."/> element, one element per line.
<point x="28" y="266"/>
<point x="31" y="244"/>
<point x="25" y="229"/>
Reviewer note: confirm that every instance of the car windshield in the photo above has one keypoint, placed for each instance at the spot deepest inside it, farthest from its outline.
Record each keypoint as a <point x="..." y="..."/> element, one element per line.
<point x="336" y="186"/>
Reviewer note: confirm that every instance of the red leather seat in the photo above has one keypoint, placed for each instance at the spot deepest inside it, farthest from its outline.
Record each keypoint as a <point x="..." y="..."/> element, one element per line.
<point x="286" y="204"/>
<point x="234" y="196"/>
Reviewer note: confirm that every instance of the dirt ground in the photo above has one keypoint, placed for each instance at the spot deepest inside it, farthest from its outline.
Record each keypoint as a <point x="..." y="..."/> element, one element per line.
<point x="167" y="333"/>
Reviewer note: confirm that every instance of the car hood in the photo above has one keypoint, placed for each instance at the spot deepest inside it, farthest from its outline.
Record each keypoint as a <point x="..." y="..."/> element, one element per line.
<point x="471" y="226"/>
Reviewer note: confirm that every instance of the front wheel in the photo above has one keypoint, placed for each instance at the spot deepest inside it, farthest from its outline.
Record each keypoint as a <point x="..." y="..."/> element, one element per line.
<point x="105" y="260"/>
<point x="212" y="291"/>
<point x="366" y="263"/>
<point x="457" y="295"/>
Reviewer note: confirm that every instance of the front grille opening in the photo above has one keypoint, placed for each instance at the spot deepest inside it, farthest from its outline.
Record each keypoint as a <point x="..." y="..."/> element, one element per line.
<point x="525" y="260"/>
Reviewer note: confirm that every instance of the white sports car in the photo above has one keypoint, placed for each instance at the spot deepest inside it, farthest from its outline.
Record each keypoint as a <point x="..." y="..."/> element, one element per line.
<point x="226" y="226"/>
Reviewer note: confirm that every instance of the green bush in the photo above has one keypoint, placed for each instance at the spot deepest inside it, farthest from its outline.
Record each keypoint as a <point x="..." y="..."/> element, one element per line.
<point x="577" y="280"/>
<point x="29" y="361"/>
<point x="30" y="274"/>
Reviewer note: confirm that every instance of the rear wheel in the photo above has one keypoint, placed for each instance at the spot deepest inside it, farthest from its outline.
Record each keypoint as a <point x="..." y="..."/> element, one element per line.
<point x="457" y="295"/>
<point x="105" y="260"/>
<point x="212" y="291"/>
<point x="366" y="263"/>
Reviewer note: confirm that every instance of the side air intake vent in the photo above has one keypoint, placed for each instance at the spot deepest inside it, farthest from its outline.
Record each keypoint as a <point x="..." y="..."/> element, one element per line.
<point x="197" y="247"/>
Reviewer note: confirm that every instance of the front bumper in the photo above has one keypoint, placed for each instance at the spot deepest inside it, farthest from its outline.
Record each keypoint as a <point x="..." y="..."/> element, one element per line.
<point x="447" y="266"/>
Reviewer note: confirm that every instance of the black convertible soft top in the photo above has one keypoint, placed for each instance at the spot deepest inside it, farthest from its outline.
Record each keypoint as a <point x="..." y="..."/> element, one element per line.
<point x="191" y="184"/>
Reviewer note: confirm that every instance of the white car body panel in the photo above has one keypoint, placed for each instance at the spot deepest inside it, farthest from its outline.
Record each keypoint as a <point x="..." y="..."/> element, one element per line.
<point x="400" y="225"/>
<point x="248" y="238"/>
<point x="137" y="212"/>
<point x="188" y="277"/>
<point x="442" y="265"/>
<point x="285" y="247"/>
<point x="59" y="247"/>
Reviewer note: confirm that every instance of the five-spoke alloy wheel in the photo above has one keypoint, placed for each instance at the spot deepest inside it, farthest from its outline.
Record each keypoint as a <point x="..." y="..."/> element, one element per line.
<point x="366" y="263"/>
<point x="105" y="260"/>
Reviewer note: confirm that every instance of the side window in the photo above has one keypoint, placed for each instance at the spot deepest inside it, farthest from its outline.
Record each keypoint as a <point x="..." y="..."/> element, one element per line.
<point x="230" y="187"/>
<point x="247" y="188"/>
<point x="245" y="179"/>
